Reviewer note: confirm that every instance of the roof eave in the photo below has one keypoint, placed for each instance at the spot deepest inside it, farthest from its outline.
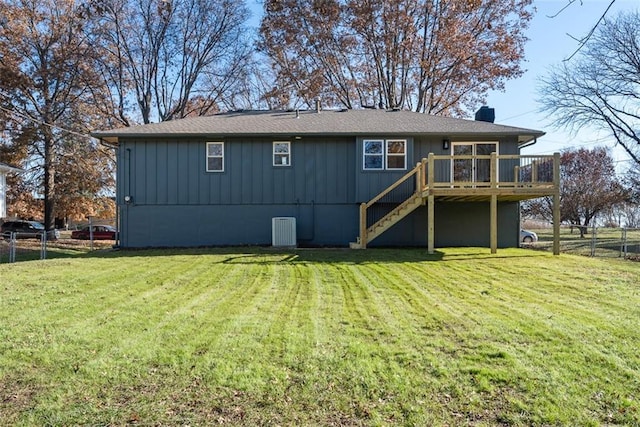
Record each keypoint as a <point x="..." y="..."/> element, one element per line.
<point x="110" y="139"/>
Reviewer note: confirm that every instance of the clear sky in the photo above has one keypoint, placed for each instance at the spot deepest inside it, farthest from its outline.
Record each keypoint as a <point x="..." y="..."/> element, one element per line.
<point x="549" y="43"/>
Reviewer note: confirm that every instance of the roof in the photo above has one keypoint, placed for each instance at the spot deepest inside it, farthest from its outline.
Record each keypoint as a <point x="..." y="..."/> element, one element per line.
<point x="326" y="122"/>
<point x="6" y="168"/>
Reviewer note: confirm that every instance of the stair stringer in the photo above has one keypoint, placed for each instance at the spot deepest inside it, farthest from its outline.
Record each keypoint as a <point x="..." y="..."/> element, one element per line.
<point x="395" y="216"/>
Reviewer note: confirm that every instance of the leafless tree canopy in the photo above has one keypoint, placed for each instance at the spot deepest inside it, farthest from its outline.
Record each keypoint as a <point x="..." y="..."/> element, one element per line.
<point x="600" y="87"/>
<point x="179" y="58"/>
<point x="68" y="67"/>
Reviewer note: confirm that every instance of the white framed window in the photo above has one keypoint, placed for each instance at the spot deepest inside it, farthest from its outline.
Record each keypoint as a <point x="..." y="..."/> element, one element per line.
<point x="373" y="154"/>
<point x="281" y="153"/>
<point x="215" y="156"/>
<point x="396" y="154"/>
<point x="380" y="154"/>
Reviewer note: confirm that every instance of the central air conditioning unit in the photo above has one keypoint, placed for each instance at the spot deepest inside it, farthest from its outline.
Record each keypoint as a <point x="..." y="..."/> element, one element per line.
<point x="283" y="231"/>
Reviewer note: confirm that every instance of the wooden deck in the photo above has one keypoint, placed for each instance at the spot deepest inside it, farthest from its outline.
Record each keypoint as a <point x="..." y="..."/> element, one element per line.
<point x="494" y="178"/>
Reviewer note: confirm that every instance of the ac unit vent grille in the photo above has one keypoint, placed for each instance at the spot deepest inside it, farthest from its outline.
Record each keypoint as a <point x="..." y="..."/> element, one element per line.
<point x="283" y="231"/>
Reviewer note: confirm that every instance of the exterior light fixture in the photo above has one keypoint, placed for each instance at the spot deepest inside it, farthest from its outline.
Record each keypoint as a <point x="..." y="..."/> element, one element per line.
<point x="445" y="144"/>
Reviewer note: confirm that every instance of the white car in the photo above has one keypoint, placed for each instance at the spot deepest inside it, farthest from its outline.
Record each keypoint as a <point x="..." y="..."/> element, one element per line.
<point x="527" y="236"/>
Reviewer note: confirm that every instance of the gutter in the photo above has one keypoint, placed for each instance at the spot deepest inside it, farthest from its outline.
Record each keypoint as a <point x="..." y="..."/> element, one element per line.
<point x="107" y="143"/>
<point x="528" y="143"/>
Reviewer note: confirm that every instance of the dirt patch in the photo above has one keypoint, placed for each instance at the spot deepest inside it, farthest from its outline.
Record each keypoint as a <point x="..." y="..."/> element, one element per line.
<point x="16" y="397"/>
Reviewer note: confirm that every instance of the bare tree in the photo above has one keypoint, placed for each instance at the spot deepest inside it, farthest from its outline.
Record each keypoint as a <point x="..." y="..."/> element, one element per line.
<point x="178" y="57"/>
<point x="429" y="56"/>
<point x="584" y="39"/>
<point x="601" y="87"/>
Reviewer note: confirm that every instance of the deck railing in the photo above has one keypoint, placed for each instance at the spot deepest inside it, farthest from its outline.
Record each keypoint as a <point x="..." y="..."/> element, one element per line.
<point x="493" y="171"/>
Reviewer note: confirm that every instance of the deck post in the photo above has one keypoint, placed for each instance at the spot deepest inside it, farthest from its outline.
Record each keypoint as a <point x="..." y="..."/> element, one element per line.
<point x="431" y="233"/>
<point x="431" y="170"/>
<point x="556" y="203"/>
<point x="493" y="171"/>
<point x="431" y="230"/>
<point x="363" y="226"/>
<point x="493" y="227"/>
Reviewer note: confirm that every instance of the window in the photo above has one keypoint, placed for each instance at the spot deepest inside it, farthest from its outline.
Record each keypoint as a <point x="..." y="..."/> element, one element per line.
<point x="215" y="156"/>
<point x="396" y="154"/>
<point x="282" y="153"/>
<point x="373" y="154"/>
<point x="381" y="154"/>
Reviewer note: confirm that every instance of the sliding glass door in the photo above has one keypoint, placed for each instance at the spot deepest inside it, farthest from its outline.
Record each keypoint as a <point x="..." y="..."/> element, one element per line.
<point x="469" y="168"/>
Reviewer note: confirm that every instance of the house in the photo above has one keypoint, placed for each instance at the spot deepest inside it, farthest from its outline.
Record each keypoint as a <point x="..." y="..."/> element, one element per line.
<point x="359" y="177"/>
<point x="4" y="170"/>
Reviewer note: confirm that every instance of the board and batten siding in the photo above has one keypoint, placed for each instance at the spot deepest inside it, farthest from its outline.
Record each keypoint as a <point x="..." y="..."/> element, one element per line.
<point x="173" y="172"/>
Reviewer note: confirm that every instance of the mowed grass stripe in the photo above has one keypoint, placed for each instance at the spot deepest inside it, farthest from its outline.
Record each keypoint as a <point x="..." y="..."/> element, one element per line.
<point x="472" y="306"/>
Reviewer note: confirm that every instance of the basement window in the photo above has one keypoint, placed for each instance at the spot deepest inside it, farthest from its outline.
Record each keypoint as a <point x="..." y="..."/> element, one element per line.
<point x="281" y="153"/>
<point x="380" y="154"/>
<point x="215" y="156"/>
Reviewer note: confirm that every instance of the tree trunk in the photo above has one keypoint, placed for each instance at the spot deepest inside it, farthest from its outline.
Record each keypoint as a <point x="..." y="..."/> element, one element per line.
<point x="49" y="182"/>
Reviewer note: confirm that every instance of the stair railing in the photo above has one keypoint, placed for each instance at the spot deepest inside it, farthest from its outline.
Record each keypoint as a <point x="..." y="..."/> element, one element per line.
<point x="404" y="188"/>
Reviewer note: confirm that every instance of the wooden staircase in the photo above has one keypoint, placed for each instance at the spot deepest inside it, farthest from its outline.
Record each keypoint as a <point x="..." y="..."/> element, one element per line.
<point x="415" y="200"/>
<point x="393" y="217"/>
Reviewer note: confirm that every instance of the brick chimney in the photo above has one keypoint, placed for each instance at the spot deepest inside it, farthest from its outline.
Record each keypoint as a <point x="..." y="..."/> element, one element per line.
<point x="486" y="114"/>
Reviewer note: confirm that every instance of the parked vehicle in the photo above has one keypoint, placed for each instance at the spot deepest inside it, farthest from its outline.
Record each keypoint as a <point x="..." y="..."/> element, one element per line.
<point x="100" y="232"/>
<point x="527" y="236"/>
<point x="26" y="230"/>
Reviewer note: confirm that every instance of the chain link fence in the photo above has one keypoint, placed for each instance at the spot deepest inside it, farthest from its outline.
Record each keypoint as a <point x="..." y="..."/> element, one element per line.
<point x="16" y="246"/>
<point x="594" y="241"/>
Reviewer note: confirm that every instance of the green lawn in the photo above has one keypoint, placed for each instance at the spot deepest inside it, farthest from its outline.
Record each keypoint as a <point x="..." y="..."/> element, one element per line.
<point x="320" y="337"/>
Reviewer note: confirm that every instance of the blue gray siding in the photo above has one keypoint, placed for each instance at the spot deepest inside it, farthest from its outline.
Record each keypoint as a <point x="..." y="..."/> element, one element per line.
<point x="157" y="172"/>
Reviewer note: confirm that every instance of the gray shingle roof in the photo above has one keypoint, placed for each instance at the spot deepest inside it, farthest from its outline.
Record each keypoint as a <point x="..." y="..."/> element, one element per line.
<point x="326" y="122"/>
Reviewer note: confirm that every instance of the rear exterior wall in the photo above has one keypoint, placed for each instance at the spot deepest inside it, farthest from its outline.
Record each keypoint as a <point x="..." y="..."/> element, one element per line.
<point x="175" y="202"/>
